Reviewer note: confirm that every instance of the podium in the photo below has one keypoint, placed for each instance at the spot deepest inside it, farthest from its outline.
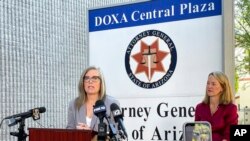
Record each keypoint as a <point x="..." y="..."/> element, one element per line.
<point x="52" y="134"/>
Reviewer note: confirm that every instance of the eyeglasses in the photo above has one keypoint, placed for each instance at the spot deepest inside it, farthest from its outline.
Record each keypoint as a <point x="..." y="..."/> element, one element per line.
<point x="92" y="79"/>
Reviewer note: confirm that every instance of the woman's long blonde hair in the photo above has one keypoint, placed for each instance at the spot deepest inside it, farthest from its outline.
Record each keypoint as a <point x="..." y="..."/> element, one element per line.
<point x="81" y="99"/>
<point x="227" y="95"/>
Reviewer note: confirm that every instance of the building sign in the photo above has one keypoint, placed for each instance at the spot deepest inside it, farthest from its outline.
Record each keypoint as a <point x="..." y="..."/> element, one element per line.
<point x="156" y="56"/>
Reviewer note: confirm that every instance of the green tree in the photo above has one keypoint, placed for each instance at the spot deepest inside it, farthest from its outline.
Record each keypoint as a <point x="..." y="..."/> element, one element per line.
<point x="242" y="38"/>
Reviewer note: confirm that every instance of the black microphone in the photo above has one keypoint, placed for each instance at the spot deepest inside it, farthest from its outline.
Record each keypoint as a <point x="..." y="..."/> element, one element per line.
<point x="35" y="113"/>
<point x="118" y="117"/>
<point x="100" y="111"/>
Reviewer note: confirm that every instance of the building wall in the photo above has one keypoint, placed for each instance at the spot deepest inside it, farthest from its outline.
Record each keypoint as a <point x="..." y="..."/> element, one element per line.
<point x="43" y="49"/>
<point x="243" y="98"/>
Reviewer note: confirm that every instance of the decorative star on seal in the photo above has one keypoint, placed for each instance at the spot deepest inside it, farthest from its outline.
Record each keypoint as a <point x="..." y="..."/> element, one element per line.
<point x="149" y="59"/>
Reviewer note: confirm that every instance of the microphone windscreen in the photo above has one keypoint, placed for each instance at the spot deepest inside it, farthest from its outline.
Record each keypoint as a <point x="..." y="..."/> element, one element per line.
<point x="99" y="109"/>
<point x="42" y="109"/>
<point x="115" y="109"/>
<point x="99" y="103"/>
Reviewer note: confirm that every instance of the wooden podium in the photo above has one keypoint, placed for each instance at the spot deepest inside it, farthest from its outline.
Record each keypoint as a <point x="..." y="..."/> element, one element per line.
<point x="52" y="134"/>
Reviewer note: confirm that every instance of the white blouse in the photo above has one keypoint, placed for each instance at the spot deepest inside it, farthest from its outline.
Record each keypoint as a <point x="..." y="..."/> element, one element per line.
<point x="88" y="121"/>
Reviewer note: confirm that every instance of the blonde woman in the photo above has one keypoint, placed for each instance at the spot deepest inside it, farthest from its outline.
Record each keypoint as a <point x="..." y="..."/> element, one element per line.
<point x="218" y="106"/>
<point x="91" y="88"/>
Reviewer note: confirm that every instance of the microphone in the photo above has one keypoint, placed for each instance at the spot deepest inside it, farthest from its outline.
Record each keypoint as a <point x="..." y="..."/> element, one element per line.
<point x="118" y="117"/>
<point x="35" y="113"/>
<point x="11" y="122"/>
<point x="100" y="111"/>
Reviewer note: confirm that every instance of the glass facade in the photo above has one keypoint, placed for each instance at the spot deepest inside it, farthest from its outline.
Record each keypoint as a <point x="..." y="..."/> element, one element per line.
<point x="43" y="50"/>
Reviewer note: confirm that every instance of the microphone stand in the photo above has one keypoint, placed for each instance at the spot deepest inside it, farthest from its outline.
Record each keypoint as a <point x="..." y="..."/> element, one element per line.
<point x="122" y="135"/>
<point x="112" y="130"/>
<point x="102" y="131"/>
<point x="21" y="135"/>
